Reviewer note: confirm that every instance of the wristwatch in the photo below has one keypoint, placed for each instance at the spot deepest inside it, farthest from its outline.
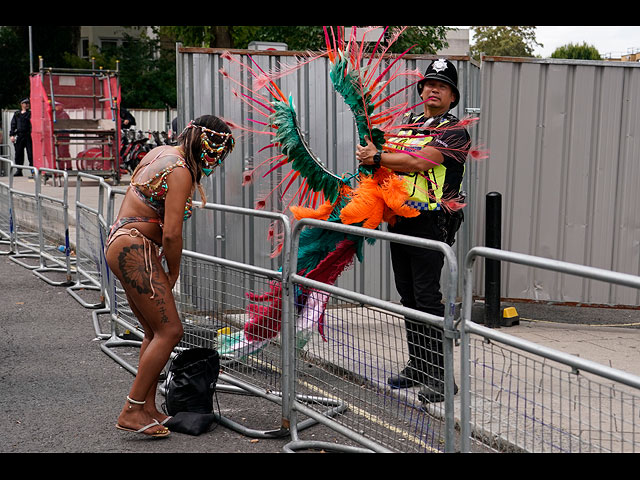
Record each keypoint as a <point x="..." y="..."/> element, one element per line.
<point x="377" y="158"/>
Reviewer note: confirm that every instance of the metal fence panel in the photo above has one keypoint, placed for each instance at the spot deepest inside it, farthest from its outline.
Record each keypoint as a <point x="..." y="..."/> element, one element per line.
<point x="6" y="214"/>
<point x="564" y="139"/>
<point x="362" y="343"/>
<point x="517" y="395"/>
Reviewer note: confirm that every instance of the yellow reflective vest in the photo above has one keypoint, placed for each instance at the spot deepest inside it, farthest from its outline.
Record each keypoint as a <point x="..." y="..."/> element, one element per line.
<point x="425" y="188"/>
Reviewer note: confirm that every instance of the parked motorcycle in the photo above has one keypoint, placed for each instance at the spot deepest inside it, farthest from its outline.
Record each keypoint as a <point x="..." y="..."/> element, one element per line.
<point x="136" y="144"/>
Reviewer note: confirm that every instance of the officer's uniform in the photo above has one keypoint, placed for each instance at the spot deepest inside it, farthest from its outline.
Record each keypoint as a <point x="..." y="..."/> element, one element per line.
<point x="21" y="129"/>
<point x="417" y="270"/>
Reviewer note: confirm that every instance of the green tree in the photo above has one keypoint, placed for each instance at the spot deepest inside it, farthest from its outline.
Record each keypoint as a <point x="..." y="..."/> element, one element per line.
<point x="428" y="39"/>
<point x="575" y="51"/>
<point x="504" y="41"/>
<point x="50" y="42"/>
<point x="147" y="73"/>
<point x="146" y="65"/>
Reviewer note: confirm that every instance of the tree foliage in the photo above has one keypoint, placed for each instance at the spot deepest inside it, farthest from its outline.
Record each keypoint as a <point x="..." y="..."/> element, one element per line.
<point x="427" y="39"/>
<point x="51" y="42"/>
<point x="575" y="51"/>
<point x="504" y="41"/>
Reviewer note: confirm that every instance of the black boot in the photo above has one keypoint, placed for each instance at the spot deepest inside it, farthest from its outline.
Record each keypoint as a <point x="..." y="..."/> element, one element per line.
<point x="407" y="378"/>
<point x="434" y="392"/>
<point x="414" y="373"/>
<point x="433" y="389"/>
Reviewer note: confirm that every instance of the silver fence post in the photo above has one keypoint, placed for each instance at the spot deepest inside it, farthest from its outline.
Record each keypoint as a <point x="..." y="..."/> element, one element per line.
<point x="66" y="268"/>
<point x="95" y="283"/>
<point x="465" y="352"/>
<point x="6" y="229"/>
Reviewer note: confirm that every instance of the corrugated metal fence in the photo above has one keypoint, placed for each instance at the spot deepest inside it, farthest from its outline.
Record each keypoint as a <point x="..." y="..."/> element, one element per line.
<point x="563" y="137"/>
<point x="565" y="140"/>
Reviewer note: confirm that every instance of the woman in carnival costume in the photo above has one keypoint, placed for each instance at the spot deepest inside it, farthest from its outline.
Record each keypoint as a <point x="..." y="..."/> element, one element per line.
<point x="147" y="228"/>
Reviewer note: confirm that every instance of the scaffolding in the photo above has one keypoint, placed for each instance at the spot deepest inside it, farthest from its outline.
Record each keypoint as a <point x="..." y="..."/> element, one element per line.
<point x="75" y="120"/>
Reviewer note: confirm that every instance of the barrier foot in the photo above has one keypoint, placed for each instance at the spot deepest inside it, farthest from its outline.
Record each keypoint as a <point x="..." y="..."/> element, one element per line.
<point x="79" y="286"/>
<point x="15" y="258"/>
<point x="39" y="272"/>
<point x="296" y="445"/>
<point x="96" y="322"/>
<point x="115" y="342"/>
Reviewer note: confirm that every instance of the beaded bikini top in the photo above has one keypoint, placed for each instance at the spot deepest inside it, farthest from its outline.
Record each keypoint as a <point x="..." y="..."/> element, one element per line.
<point x="153" y="191"/>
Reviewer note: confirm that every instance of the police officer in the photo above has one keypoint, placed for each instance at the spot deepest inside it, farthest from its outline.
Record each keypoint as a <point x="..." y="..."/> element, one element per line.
<point x="127" y="120"/>
<point x="20" y="134"/>
<point x="429" y="153"/>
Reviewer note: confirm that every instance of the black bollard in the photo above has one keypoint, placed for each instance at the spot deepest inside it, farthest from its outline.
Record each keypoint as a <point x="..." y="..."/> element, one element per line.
<point x="493" y="229"/>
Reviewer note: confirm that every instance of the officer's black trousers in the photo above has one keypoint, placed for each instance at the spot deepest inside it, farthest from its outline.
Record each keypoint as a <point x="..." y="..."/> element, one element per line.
<point x="417" y="275"/>
<point x="23" y="142"/>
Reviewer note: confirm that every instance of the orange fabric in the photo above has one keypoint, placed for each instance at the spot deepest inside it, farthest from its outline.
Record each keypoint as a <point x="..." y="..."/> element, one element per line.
<point x="379" y="198"/>
<point x="321" y="213"/>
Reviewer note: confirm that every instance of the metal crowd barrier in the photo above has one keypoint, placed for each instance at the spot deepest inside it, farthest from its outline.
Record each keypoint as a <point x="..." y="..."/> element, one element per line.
<point x="55" y="247"/>
<point x="25" y="247"/>
<point x="90" y="263"/>
<point x="363" y="344"/>
<point x="212" y="299"/>
<point x="520" y="396"/>
<point x="6" y="210"/>
<point x="35" y="226"/>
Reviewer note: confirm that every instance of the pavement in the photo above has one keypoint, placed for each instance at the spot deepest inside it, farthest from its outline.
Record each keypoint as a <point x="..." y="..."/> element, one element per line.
<point x="60" y="393"/>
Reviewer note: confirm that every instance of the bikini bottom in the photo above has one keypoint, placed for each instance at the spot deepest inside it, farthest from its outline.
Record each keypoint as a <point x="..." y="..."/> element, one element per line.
<point x="150" y="247"/>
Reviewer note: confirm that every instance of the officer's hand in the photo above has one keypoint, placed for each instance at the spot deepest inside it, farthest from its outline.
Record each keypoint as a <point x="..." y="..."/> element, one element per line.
<point x="365" y="154"/>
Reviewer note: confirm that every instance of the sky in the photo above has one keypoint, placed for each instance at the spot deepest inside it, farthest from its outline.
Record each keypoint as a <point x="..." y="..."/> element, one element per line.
<point x="610" y="41"/>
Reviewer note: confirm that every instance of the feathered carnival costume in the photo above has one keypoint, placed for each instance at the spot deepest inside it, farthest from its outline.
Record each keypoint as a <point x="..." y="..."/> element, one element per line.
<point x="366" y="198"/>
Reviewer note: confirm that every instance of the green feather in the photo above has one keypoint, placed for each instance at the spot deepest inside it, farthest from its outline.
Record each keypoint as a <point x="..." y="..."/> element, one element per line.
<point x="347" y="84"/>
<point x="302" y="159"/>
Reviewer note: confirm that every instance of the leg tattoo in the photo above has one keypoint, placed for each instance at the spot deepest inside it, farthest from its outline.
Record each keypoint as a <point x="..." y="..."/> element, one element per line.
<point x="132" y="265"/>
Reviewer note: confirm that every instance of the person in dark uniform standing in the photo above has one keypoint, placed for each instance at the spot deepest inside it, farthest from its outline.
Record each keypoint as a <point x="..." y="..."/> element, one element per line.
<point x="429" y="153"/>
<point x="20" y="134"/>
<point x="127" y="120"/>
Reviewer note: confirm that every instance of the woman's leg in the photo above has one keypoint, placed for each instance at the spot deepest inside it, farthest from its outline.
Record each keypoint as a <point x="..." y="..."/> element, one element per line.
<point x="141" y="280"/>
<point x="150" y="399"/>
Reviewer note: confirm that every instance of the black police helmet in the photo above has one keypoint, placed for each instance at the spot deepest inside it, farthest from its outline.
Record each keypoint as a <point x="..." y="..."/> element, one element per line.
<point x="444" y="71"/>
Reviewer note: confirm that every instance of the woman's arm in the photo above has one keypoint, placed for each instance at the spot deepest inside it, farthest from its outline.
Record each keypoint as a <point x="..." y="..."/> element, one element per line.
<point x="180" y="188"/>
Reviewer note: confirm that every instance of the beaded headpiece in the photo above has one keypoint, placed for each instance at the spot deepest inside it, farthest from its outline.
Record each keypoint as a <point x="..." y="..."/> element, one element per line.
<point x="213" y="154"/>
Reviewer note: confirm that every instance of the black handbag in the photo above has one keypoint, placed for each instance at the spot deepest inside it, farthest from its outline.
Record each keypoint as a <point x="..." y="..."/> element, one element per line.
<point x="191" y="381"/>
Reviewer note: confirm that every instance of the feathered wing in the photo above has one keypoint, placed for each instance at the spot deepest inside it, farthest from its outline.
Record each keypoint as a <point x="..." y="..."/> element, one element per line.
<point x="367" y="197"/>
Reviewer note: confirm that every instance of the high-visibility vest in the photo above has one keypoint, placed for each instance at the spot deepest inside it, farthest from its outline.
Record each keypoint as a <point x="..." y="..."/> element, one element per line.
<point x="424" y="188"/>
